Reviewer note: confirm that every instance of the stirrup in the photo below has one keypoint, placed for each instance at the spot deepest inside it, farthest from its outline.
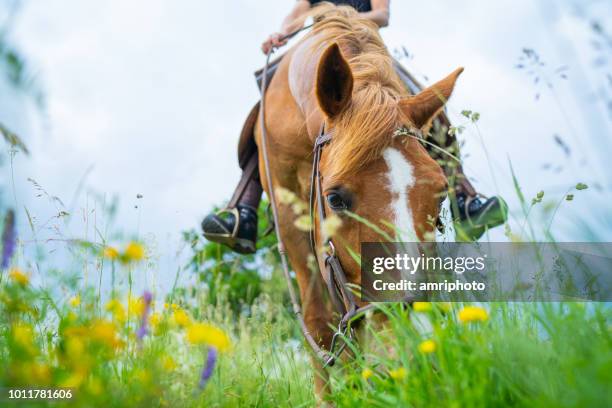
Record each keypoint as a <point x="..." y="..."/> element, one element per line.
<point x="236" y="214"/>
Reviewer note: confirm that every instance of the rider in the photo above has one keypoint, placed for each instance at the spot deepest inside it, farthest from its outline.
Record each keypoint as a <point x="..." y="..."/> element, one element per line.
<point x="237" y="226"/>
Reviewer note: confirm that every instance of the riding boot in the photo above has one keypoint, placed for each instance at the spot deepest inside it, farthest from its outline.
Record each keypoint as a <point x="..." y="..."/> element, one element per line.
<point x="236" y="225"/>
<point x="473" y="216"/>
<point x="233" y="227"/>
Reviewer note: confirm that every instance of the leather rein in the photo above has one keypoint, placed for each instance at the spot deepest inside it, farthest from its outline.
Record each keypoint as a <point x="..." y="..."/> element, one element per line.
<point x="341" y="295"/>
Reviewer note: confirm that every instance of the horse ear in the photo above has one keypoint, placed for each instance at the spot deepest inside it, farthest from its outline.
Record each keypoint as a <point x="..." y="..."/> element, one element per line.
<point x="423" y="107"/>
<point x="334" y="81"/>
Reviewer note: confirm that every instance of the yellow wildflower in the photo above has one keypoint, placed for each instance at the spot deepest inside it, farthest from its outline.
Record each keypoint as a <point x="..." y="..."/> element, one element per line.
<point x="19" y="277"/>
<point x="116" y="308"/>
<point x="75" y="348"/>
<point x="168" y="363"/>
<point x="421" y="306"/>
<point x="398" y="373"/>
<point x="472" y="314"/>
<point x="104" y="332"/>
<point x="428" y="346"/>
<point x="134" y="252"/>
<point x="367" y="373"/>
<point x="136" y="306"/>
<point x="39" y="373"/>
<point x="110" y="253"/>
<point x="202" y="333"/>
<point x="75" y="301"/>
<point x="181" y="318"/>
<point x="23" y="335"/>
<point x="154" y="320"/>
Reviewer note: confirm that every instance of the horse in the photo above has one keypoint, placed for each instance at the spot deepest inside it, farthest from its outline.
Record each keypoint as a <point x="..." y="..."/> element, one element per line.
<point x="340" y="77"/>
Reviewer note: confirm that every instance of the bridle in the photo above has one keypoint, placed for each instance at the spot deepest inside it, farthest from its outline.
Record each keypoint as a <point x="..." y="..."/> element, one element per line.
<point x="340" y="294"/>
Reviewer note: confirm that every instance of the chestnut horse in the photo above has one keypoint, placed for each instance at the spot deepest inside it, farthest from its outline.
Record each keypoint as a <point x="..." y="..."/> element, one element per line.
<point x="341" y="75"/>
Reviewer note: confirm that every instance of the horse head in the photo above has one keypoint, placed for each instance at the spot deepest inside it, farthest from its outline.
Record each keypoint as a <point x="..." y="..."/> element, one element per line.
<point x="382" y="184"/>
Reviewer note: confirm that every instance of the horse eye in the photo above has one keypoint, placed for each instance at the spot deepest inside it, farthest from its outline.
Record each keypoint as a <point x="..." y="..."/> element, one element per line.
<point x="336" y="201"/>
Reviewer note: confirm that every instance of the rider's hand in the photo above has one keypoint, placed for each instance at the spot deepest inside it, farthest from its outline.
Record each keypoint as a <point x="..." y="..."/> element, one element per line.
<point x="274" y="40"/>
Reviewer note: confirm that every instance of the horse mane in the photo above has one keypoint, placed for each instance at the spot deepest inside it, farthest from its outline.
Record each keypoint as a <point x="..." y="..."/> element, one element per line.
<point x="365" y="128"/>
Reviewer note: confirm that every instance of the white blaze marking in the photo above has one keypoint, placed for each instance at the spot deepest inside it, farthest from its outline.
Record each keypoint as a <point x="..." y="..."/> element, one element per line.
<point x="401" y="180"/>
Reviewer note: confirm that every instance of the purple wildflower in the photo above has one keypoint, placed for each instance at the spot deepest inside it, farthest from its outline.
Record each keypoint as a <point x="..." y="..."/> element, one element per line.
<point x="207" y="371"/>
<point x="147" y="297"/>
<point x="9" y="239"/>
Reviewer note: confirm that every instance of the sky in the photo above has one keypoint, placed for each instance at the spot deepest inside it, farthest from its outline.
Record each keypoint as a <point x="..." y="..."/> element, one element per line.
<point x="147" y="98"/>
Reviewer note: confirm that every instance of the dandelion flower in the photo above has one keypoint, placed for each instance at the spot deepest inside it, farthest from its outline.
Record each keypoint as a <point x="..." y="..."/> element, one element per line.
<point x="366" y="374"/>
<point x="421" y="306"/>
<point x="75" y="301"/>
<point x="202" y="333"/>
<point x="110" y="253"/>
<point x="134" y="252"/>
<point x="136" y="306"/>
<point x="472" y="314"/>
<point x="398" y="373"/>
<point x="19" y="277"/>
<point x="427" y="347"/>
<point x="181" y="318"/>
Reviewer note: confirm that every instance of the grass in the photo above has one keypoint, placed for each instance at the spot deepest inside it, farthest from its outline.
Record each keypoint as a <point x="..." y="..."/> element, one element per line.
<point x="548" y="354"/>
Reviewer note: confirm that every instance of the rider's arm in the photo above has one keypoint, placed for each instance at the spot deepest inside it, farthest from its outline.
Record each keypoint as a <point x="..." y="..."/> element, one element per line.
<point x="291" y="23"/>
<point x="295" y="20"/>
<point x="379" y="13"/>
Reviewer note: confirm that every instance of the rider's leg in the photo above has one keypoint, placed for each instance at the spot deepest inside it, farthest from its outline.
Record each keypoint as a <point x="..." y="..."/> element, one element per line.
<point x="472" y="215"/>
<point x="236" y="225"/>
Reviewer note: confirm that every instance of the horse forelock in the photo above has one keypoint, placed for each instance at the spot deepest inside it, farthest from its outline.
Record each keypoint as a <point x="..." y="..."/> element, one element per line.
<point x="366" y="127"/>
